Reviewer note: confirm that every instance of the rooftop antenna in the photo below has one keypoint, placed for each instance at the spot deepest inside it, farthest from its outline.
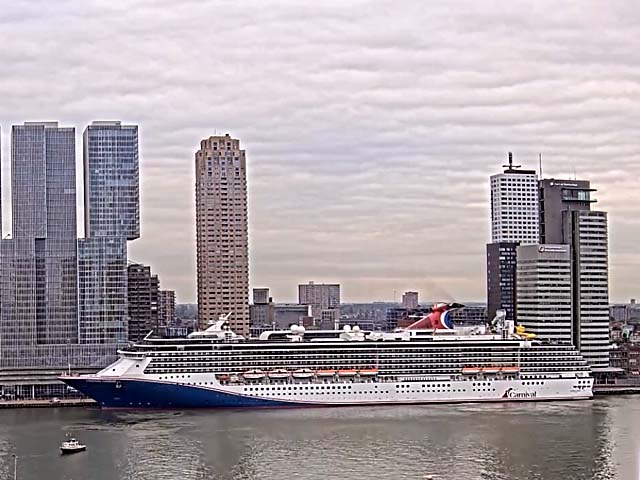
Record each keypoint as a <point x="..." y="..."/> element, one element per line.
<point x="540" y="162"/>
<point x="511" y="166"/>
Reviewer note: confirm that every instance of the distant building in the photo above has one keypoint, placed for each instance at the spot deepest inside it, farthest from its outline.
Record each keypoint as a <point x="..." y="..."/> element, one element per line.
<point x="280" y="316"/>
<point x="319" y="296"/>
<point x="143" y="288"/>
<point x="401" y="317"/>
<point x="557" y="197"/>
<point x="469" y="315"/>
<point x="260" y="296"/>
<point x="544" y="291"/>
<point x="166" y="308"/>
<point x="410" y="300"/>
<point x="222" y="232"/>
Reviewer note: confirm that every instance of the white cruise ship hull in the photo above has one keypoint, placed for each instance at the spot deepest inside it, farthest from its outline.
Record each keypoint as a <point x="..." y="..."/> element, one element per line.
<point x="202" y="392"/>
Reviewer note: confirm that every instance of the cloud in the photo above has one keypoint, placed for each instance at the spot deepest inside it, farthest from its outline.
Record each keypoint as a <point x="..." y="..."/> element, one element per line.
<point x="370" y="127"/>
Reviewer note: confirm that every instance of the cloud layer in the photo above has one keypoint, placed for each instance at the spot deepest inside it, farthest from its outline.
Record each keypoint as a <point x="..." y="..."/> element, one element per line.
<point x="370" y="127"/>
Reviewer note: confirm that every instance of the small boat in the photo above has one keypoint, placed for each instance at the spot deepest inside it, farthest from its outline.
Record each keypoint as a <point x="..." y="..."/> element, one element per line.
<point x="223" y="377"/>
<point x="72" y="446"/>
<point x="254" y="375"/>
<point x="470" y="370"/>
<point x="490" y="369"/>
<point x="325" y="373"/>
<point x="510" y="369"/>
<point x="303" y="373"/>
<point x="279" y="374"/>
<point x="347" y="373"/>
<point x="368" y="372"/>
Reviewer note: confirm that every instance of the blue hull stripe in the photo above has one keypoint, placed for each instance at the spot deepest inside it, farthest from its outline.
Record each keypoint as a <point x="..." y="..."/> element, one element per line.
<point x="145" y="394"/>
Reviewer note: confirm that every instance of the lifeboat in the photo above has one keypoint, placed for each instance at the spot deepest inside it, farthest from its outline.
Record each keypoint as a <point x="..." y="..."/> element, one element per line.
<point x="510" y="369"/>
<point x="279" y="374"/>
<point x="471" y="370"/>
<point x="347" y="373"/>
<point x="223" y="377"/>
<point x="490" y="369"/>
<point x="254" y="375"/>
<point x="325" y="373"/>
<point x="303" y="373"/>
<point x="368" y="372"/>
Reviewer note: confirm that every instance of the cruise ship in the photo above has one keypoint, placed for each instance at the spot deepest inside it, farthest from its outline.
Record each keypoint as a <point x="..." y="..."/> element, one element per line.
<point x="430" y="361"/>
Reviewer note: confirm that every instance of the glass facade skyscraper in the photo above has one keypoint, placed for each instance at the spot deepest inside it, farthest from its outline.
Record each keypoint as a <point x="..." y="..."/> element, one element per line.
<point x="63" y="300"/>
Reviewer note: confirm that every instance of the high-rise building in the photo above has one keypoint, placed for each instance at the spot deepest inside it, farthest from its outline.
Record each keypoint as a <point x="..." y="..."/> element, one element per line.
<point x="586" y="233"/>
<point x="112" y="217"/>
<point x="39" y="263"/>
<point x="514" y="221"/>
<point x="501" y="279"/>
<point x="566" y="217"/>
<point x="410" y="300"/>
<point x="143" y="298"/>
<point x="222" y="232"/>
<point x="544" y="291"/>
<point x="111" y="180"/>
<point x="166" y="308"/>
<point x="319" y="296"/>
<point x="557" y="197"/>
<point x="514" y="205"/>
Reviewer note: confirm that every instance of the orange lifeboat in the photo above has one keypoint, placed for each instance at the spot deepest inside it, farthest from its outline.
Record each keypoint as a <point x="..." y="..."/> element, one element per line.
<point x="349" y="372"/>
<point x="254" y="375"/>
<point x="325" y="373"/>
<point x="510" y="369"/>
<point x="279" y="374"/>
<point x="303" y="373"/>
<point x="368" y="372"/>
<point x="490" y="369"/>
<point x="471" y="370"/>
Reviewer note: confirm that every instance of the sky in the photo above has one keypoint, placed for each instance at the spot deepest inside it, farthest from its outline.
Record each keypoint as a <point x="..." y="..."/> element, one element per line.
<point x="371" y="128"/>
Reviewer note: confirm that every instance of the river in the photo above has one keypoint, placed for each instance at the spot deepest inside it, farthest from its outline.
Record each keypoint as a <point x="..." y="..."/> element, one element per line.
<point x="597" y="439"/>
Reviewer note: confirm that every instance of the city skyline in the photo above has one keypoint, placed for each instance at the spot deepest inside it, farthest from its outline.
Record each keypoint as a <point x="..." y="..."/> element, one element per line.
<point x="357" y="181"/>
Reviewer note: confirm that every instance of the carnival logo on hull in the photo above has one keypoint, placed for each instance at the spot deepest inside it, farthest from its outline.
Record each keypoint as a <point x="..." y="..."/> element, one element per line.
<point x="512" y="393"/>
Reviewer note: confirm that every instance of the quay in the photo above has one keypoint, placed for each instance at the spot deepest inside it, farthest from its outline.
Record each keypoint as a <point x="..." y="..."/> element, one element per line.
<point x="48" y="403"/>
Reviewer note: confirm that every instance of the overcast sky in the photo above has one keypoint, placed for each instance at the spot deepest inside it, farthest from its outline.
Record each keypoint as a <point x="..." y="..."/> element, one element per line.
<point x="371" y="128"/>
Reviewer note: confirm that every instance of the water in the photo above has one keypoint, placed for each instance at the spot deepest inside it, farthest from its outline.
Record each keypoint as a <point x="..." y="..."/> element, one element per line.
<point x="597" y="439"/>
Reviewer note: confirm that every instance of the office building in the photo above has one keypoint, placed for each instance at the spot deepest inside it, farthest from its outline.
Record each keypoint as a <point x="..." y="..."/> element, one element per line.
<point x="410" y="300"/>
<point x="469" y="315"/>
<point x="501" y="279"/>
<point x="514" y="205"/>
<point x="320" y="296"/>
<point x="586" y="232"/>
<point x="112" y="217"/>
<point x="514" y="221"/>
<point x="143" y="299"/>
<point x="544" y="291"/>
<point x="222" y="232"/>
<point x="39" y="263"/>
<point x="261" y="311"/>
<point x="557" y="197"/>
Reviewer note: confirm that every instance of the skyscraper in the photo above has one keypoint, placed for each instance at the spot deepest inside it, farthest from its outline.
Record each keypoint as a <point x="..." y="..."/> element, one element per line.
<point x="39" y="263"/>
<point x="514" y="221"/>
<point x="111" y="201"/>
<point x="222" y="232"/>
<point x="586" y="233"/>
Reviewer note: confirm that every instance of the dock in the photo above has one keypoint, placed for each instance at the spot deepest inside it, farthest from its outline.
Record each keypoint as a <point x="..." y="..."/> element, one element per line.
<point x="48" y="403"/>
